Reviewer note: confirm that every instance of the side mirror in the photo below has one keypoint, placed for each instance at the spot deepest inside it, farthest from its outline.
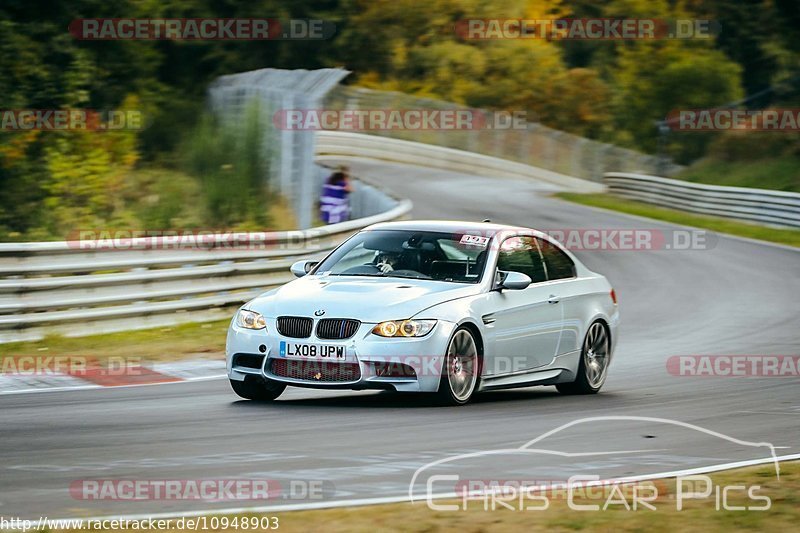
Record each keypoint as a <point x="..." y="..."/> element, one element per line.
<point x="514" y="281"/>
<point x="301" y="268"/>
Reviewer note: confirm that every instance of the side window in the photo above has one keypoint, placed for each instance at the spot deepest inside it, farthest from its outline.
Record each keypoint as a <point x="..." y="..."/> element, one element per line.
<point x="519" y="254"/>
<point x="559" y="265"/>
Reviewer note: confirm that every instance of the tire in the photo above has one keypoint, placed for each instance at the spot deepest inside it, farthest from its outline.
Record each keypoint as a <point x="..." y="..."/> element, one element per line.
<point x="593" y="366"/>
<point x="257" y="389"/>
<point x="460" y="369"/>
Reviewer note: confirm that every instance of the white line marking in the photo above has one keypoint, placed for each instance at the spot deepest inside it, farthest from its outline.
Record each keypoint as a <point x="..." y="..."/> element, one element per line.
<point x="309" y="506"/>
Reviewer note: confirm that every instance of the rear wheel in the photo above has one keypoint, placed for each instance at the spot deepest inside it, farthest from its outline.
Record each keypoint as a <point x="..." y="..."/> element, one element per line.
<point x="257" y="388"/>
<point x="593" y="367"/>
<point x="459" y="370"/>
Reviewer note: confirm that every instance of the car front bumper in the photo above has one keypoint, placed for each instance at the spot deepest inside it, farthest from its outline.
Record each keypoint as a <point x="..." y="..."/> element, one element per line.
<point x="374" y="362"/>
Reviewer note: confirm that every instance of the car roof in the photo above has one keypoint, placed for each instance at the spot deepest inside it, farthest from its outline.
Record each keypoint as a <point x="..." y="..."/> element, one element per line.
<point x="450" y="226"/>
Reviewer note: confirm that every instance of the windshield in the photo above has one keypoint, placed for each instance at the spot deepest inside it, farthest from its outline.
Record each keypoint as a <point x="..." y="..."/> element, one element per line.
<point x="430" y="255"/>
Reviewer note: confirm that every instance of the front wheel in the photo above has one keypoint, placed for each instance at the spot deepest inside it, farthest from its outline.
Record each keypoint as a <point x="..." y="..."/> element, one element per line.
<point x="258" y="389"/>
<point x="459" y="369"/>
<point x="593" y="367"/>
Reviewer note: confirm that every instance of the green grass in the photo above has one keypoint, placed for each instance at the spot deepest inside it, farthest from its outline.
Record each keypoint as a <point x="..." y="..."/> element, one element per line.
<point x="779" y="173"/>
<point x="720" y="225"/>
<point x="697" y="515"/>
<point x="195" y="341"/>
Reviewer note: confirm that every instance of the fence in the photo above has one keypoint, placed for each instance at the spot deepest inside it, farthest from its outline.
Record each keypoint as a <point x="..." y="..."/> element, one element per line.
<point x="288" y="154"/>
<point x="776" y="208"/>
<point x="537" y="145"/>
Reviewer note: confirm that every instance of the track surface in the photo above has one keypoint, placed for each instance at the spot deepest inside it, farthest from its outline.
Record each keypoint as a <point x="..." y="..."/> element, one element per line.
<point x="737" y="298"/>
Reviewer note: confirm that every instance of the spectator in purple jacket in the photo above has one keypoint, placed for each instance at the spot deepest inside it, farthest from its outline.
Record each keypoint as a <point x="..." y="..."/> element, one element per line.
<point x="334" y="203"/>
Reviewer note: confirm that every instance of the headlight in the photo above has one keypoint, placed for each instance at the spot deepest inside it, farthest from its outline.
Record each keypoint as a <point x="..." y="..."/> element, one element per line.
<point x="250" y="320"/>
<point x="404" y="328"/>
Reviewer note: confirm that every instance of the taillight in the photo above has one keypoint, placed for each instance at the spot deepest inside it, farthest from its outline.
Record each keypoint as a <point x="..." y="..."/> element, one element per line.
<point x="613" y="296"/>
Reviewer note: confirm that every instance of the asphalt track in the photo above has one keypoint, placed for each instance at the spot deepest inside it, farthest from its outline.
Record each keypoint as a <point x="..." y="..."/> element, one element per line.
<point x="738" y="297"/>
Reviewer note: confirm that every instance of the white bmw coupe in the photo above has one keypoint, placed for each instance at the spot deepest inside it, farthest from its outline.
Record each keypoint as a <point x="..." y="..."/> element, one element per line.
<point x="449" y="308"/>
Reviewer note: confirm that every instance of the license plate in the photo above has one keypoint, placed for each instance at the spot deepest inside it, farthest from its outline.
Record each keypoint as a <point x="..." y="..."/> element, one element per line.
<point x="323" y="352"/>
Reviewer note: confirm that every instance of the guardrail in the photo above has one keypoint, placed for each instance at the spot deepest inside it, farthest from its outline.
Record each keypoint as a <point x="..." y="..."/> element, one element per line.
<point x="345" y="144"/>
<point x="102" y="285"/>
<point x="777" y="208"/>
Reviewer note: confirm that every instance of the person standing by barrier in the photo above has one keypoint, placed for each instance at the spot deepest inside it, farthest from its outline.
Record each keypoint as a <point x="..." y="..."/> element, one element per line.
<point x="334" y="202"/>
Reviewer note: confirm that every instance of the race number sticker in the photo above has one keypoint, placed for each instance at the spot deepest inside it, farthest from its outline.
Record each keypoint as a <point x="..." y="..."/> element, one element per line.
<point x="474" y="240"/>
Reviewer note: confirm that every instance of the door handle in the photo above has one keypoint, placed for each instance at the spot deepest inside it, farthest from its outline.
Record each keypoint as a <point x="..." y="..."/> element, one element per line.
<point x="553" y="299"/>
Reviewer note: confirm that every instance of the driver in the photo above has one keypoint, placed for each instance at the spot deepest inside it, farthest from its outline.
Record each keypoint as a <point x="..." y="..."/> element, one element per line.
<point x="386" y="261"/>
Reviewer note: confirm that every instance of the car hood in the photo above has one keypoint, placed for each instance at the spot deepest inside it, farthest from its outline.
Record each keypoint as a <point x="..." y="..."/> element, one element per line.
<point x="363" y="298"/>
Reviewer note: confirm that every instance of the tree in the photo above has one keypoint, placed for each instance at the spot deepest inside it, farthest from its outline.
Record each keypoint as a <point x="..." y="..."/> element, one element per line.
<point x="652" y="79"/>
